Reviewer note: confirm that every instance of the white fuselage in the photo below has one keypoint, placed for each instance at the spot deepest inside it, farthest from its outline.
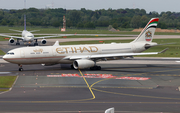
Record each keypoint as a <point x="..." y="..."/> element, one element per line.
<point x="27" y="36"/>
<point x="59" y="54"/>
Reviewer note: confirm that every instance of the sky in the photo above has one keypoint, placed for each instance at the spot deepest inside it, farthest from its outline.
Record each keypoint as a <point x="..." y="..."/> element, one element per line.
<point x="149" y="5"/>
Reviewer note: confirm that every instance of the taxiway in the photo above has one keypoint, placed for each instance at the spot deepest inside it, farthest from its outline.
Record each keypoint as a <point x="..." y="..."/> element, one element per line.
<point x="127" y="87"/>
<point x="131" y="86"/>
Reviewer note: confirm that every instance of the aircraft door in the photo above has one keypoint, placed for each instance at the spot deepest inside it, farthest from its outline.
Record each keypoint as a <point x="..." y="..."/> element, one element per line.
<point x="22" y="53"/>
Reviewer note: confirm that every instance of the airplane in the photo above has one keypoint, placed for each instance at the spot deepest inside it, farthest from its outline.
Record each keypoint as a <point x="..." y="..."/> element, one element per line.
<point x="27" y="36"/>
<point x="84" y="56"/>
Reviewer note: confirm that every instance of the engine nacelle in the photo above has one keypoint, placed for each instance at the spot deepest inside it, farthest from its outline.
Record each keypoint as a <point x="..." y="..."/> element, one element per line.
<point x="82" y="64"/>
<point x="43" y="41"/>
<point x="11" y="40"/>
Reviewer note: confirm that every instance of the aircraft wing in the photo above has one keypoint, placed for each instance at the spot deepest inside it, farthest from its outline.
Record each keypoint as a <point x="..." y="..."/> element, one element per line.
<point x="101" y="56"/>
<point x="11" y="36"/>
<point x="54" y="36"/>
<point x="44" y="37"/>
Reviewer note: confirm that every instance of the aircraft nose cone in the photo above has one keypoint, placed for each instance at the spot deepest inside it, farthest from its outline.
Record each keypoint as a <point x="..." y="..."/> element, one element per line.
<point x="4" y="57"/>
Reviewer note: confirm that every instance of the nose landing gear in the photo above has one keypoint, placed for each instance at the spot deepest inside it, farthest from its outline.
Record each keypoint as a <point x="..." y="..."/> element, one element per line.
<point x="20" y="67"/>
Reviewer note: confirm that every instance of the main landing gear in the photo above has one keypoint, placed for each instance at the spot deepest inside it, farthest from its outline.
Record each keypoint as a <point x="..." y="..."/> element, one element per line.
<point x="36" y="44"/>
<point x="20" y="67"/>
<point x="95" y="68"/>
<point x="72" y="67"/>
<point x="91" y="68"/>
<point x="17" y="43"/>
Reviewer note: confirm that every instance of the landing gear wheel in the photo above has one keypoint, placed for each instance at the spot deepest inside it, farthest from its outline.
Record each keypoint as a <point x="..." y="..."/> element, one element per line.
<point x="17" y="43"/>
<point x="35" y="44"/>
<point x="98" y="67"/>
<point x="72" y="67"/>
<point x="20" y="69"/>
<point x="95" y="68"/>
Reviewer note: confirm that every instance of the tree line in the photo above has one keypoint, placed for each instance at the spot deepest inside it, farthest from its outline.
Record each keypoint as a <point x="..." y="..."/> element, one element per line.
<point x="83" y="18"/>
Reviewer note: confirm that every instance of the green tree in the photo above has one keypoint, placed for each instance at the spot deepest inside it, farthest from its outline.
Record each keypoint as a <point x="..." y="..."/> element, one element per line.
<point x="3" y="22"/>
<point x="135" y="21"/>
<point x="115" y="25"/>
<point x="89" y="25"/>
<point x="75" y="17"/>
<point x="80" y="25"/>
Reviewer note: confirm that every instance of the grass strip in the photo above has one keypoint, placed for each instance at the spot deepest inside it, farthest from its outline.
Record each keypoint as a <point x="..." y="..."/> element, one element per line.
<point x="7" y="81"/>
<point x="1" y="52"/>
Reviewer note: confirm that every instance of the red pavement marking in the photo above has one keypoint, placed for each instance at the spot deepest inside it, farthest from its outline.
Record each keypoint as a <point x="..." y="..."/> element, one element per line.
<point x="100" y="76"/>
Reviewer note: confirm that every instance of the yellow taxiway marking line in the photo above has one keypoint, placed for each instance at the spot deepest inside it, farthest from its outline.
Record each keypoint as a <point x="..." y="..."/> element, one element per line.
<point x="87" y="85"/>
<point x="58" y="101"/>
<point x="134" y="95"/>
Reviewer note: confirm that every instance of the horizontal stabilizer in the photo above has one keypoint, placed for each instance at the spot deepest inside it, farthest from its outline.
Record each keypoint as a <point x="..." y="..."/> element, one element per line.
<point x="34" y="30"/>
<point x="15" y="30"/>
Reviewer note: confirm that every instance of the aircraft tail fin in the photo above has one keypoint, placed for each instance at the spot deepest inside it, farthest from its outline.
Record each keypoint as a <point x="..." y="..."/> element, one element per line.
<point x="147" y="33"/>
<point x="24" y="22"/>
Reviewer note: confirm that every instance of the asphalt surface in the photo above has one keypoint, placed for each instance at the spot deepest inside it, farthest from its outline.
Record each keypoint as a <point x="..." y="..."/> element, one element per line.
<point x="59" y="88"/>
<point x="130" y="86"/>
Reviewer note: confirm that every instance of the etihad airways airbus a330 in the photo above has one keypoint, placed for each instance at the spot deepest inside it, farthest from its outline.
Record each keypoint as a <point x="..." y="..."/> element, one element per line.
<point x="84" y="56"/>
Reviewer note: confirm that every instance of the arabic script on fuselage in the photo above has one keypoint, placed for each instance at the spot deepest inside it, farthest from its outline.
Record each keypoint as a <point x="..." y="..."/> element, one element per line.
<point x="38" y="50"/>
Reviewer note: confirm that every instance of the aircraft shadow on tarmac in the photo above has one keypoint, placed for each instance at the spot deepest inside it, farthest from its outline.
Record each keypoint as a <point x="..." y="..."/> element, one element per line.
<point x="25" y="44"/>
<point x="115" y="68"/>
<point x="111" y="68"/>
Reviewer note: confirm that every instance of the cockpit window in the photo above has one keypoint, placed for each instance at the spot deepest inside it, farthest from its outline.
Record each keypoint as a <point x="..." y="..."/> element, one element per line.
<point x="29" y="36"/>
<point x="11" y="53"/>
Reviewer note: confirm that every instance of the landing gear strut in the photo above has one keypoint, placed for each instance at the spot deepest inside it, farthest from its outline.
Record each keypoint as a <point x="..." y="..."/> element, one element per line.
<point x="95" y="68"/>
<point x="20" y="67"/>
<point x="72" y="67"/>
<point x="17" y="43"/>
<point x="36" y="44"/>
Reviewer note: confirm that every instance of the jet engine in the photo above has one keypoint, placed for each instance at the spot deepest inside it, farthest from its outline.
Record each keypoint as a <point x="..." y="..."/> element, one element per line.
<point x="82" y="64"/>
<point x="11" y="40"/>
<point x="43" y="41"/>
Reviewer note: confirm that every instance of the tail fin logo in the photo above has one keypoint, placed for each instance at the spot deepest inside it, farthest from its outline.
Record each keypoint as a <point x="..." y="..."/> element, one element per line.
<point x="148" y="36"/>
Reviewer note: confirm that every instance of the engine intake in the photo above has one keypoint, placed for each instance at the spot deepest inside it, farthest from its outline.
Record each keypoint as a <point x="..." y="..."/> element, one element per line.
<point x="82" y="64"/>
<point x="43" y="41"/>
<point x="11" y="40"/>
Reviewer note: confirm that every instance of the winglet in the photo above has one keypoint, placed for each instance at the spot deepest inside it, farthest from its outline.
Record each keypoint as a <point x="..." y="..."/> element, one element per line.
<point x="164" y="50"/>
<point x="56" y="43"/>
